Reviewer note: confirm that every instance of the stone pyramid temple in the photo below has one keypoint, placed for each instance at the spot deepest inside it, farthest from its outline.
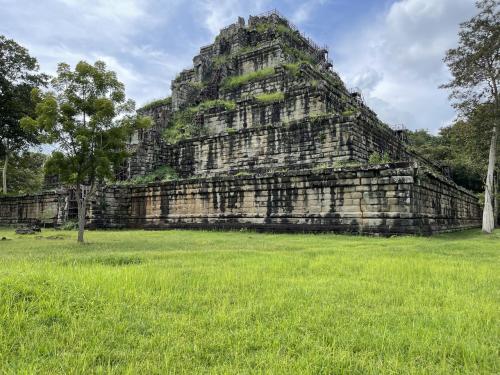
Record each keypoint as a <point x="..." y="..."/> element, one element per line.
<point x="262" y="133"/>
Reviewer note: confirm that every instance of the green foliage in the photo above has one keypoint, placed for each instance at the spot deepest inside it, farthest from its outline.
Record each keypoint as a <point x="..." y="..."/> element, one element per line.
<point x="320" y="167"/>
<point x="18" y="77"/>
<point x="161" y="174"/>
<point x="197" y="85"/>
<point x="264" y="27"/>
<point x="475" y="63"/>
<point x="462" y="146"/>
<point x="228" y="105"/>
<point x="234" y="82"/>
<point x="25" y="172"/>
<point x="156" y="103"/>
<point x="70" y="225"/>
<point x="348" y="113"/>
<point x="183" y="124"/>
<point x="270" y="97"/>
<point x="220" y="60"/>
<point x="242" y="174"/>
<point x="201" y="302"/>
<point x="377" y="158"/>
<point x="346" y="164"/>
<point x="299" y="56"/>
<point x="293" y="68"/>
<point x="81" y="116"/>
<point x="280" y="28"/>
<point x="90" y="120"/>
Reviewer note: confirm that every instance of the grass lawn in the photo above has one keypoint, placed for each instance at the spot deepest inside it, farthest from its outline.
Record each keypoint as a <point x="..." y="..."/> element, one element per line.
<point x="243" y="302"/>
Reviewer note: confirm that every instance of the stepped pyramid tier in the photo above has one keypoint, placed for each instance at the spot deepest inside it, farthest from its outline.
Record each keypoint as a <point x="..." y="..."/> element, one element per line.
<point x="260" y="97"/>
<point x="262" y="133"/>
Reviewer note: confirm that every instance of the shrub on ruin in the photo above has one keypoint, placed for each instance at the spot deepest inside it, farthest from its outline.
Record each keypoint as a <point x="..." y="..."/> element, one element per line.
<point x="270" y="97"/>
<point x="156" y="103"/>
<point x="162" y="174"/>
<point x="234" y="82"/>
<point x="377" y="158"/>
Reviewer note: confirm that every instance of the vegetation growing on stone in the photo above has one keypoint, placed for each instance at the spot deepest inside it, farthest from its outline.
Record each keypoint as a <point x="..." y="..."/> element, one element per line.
<point x="349" y="112"/>
<point x="298" y="55"/>
<point x="270" y="97"/>
<point x="293" y="68"/>
<point x="378" y="158"/>
<point x="156" y="103"/>
<point x="163" y="174"/>
<point x="183" y="124"/>
<point x="234" y="82"/>
<point x="280" y="29"/>
<point x="220" y="60"/>
<point x="216" y="103"/>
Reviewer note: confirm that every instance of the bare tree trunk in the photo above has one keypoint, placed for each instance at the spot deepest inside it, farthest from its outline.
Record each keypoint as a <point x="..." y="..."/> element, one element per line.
<point x="4" y="172"/>
<point x="80" y="199"/>
<point x="488" y="211"/>
<point x="497" y="190"/>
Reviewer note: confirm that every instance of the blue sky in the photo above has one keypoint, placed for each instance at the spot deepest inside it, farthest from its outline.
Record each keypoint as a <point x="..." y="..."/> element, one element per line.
<point x="390" y="49"/>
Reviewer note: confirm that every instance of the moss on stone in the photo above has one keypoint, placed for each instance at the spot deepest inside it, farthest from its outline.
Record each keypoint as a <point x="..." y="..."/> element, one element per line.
<point x="163" y="173"/>
<point x="270" y="97"/>
<point x="234" y="82"/>
<point x="156" y="103"/>
<point x="183" y="123"/>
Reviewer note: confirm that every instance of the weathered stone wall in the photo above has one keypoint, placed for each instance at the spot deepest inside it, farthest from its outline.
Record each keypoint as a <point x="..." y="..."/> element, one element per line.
<point x="311" y="143"/>
<point x="249" y="113"/>
<point x="146" y="144"/>
<point x="396" y="198"/>
<point x="48" y="208"/>
<point x="265" y="57"/>
<point x="441" y="204"/>
<point x="386" y="199"/>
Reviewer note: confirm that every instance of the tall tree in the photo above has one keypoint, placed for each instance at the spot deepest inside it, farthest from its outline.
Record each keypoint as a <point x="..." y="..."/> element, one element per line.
<point x="26" y="172"/>
<point x="90" y="120"/>
<point x="475" y="67"/>
<point x="18" y="76"/>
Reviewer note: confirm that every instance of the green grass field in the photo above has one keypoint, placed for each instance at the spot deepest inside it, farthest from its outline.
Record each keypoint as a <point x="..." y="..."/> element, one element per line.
<point x="243" y="302"/>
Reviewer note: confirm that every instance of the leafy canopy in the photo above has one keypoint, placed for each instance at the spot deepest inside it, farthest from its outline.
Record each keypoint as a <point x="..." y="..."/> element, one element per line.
<point x="89" y="118"/>
<point x="475" y="63"/>
<point x="18" y="76"/>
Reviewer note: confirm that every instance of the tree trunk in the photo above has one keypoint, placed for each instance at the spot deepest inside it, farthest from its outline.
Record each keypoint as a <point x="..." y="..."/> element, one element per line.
<point x="497" y="191"/>
<point x="4" y="173"/>
<point x="489" y="192"/>
<point x="81" y="203"/>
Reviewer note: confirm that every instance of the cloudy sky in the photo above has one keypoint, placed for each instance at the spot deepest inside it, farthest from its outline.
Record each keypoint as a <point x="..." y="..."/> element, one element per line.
<point x="391" y="49"/>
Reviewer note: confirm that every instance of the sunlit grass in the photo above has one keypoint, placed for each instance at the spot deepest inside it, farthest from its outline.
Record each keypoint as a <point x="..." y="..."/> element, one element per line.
<point x="242" y="302"/>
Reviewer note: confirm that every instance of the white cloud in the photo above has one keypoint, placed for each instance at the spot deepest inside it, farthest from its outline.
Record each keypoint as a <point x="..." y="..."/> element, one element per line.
<point x="217" y="14"/>
<point x="304" y="10"/>
<point x="112" y="31"/>
<point x="397" y="60"/>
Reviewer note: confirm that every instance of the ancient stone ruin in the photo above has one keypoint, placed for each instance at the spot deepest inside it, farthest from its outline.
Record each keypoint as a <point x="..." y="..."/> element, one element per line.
<point x="262" y="133"/>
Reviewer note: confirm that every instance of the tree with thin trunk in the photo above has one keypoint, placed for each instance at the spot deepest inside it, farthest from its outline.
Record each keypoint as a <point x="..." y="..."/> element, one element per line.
<point x="89" y="119"/>
<point x="475" y="69"/>
<point x="18" y="77"/>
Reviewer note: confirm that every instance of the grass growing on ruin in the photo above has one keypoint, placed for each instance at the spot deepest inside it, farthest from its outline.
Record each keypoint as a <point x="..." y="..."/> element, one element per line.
<point x="242" y="302"/>
<point x="233" y="82"/>
<point x="156" y="103"/>
<point x="270" y="97"/>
